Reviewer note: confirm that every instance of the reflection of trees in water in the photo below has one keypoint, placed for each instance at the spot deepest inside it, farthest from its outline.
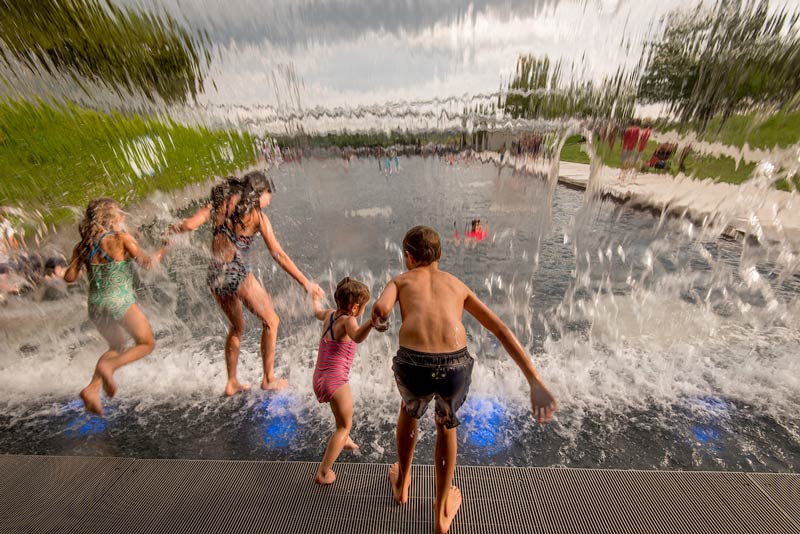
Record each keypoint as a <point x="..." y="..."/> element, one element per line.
<point x="93" y="41"/>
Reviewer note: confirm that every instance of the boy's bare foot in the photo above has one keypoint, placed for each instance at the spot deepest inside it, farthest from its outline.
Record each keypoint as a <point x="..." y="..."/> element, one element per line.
<point x="325" y="479"/>
<point x="91" y="400"/>
<point x="235" y="387"/>
<point x="442" y="524"/>
<point x="400" y="494"/>
<point x="350" y="445"/>
<point x="107" y="374"/>
<point x="274" y="384"/>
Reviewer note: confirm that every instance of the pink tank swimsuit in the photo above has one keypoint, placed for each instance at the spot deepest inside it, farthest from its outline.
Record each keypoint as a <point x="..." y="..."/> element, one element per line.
<point x="334" y="360"/>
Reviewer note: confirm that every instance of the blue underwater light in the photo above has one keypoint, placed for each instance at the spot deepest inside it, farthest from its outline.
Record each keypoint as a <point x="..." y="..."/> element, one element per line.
<point x="710" y="413"/>
<point x="83" y="423"/>
<point x="86" y="425"/>
<point x="278" y="422"/>
<point x="705" y="434"/>
<point x="485" y="419"/>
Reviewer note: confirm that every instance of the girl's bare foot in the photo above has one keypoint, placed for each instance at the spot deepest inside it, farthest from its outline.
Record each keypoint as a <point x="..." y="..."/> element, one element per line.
<point x="235" y="387"/>
<point x="107" y="374"/>
<point x="400" y="494"/>
<point x="274" y="384"/>
<point x="350" y="445"/>
<point x="91" y="399"/>
<point x="325" y="479"/>
<point x="451" y="506"/>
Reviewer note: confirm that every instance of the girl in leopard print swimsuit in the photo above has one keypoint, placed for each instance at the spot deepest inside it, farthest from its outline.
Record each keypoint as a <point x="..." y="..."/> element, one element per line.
<point x="236" y="212"/>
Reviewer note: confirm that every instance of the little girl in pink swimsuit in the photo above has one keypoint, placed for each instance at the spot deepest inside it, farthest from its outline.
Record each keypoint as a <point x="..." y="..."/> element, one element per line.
<point x="337" y="348"/>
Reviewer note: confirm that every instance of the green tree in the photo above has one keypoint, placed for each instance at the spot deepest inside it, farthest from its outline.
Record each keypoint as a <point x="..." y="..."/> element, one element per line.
<point x="538" y="91"/>
<point x="121" y="48"/>
<point x="733" y="59"/>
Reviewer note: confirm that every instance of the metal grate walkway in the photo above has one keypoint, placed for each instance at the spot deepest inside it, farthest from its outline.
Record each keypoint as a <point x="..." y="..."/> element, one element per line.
<point x="80" y="494"/>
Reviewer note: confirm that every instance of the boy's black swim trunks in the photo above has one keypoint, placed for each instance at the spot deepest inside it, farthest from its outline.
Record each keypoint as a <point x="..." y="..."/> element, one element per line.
<point x="421" y="376"/>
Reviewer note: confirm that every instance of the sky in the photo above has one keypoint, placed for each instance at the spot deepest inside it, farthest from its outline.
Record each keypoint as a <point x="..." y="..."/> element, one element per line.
<point x="356" y="62"/>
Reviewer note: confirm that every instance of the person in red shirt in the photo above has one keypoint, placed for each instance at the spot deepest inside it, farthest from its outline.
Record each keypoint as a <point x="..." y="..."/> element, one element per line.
<point x="629" y="140"/>
<point x="643" y="138"/>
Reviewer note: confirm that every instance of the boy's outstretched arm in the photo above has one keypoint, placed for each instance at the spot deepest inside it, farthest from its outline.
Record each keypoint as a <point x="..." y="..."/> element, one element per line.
<point x="383" y="306"/>
<point x="543" y="403"/>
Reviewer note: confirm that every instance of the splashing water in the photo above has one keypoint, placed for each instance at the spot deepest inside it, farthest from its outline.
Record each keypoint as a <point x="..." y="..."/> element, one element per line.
<point x="666" y="344"/>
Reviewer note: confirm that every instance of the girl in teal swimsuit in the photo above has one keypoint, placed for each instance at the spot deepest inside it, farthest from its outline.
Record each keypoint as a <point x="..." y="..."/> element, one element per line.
<point x="235" y="211"/>
<point x="105" y="250"/>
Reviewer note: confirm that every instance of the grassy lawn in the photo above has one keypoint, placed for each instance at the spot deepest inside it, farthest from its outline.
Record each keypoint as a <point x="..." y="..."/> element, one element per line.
<point x="573" y="151"/>
<point x="721" y="168"/>
<point x="759" y="131"/>
<point x="53" y="159"/>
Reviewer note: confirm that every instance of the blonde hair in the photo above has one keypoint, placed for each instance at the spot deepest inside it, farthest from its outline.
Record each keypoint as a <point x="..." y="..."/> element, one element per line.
<point x="99" y="218"/>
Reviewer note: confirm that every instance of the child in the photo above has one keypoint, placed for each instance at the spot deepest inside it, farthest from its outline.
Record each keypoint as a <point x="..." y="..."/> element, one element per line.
<point x="433" y="363"/>
<point x="104" y="249"/>
<point x="337" y="348"/>
<point x="235" y="210"/>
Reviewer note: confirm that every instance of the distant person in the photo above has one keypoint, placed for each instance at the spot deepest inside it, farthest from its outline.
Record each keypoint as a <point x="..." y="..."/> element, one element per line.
<point x="661" y="156"/>
<point x="685" y="152"/>
<point x="236" y="212"/>
<point x="337" y="349"/>
<point x="433" y="363"/>
<point x="9" y="242"/>
<point x="477" y="231"/>
<point x="12" y="279"/>
<point x="629" y="141"/>
<point x="105" y="251"/>
<point x="644" y="137"/>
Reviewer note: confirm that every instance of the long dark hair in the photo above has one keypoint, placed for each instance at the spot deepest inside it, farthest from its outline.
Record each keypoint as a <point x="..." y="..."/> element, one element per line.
<point x="253" y="186"/>
<point x="220" y="193"/>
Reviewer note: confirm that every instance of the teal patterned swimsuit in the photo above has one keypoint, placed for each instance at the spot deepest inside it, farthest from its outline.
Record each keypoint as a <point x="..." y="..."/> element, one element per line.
<point x="110" y="286"/>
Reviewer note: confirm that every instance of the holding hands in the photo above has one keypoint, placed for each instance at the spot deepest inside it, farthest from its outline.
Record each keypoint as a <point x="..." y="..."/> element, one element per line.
<point x="380" y="324"/>
<point x="313" y="289"/>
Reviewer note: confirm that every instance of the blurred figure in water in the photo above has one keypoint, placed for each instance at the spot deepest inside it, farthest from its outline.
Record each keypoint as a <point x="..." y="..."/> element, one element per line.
<point x="105" y="251"/>
<point x="10" y="246"/>
<point x="477" y="231"/>
<point x="236" y="213"/>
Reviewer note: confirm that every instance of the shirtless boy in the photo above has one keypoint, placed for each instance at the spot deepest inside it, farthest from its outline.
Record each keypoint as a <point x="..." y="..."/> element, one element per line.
<point x="432" y="363"/>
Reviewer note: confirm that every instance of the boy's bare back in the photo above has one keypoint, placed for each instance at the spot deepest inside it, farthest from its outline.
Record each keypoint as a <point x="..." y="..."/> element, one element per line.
<point x="431" y="306"/>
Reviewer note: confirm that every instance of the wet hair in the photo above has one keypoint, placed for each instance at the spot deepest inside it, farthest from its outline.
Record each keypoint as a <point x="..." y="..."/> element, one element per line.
<point x="253" y="186"/>
<point x="423" y="244"/>
<point x="349" y="292"/>
<point x="99" y="218"/>
<point x="220" y="193"/>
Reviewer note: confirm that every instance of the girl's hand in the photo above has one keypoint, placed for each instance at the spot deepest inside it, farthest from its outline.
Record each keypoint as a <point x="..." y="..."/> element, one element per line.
<point x="314" y="290"/>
